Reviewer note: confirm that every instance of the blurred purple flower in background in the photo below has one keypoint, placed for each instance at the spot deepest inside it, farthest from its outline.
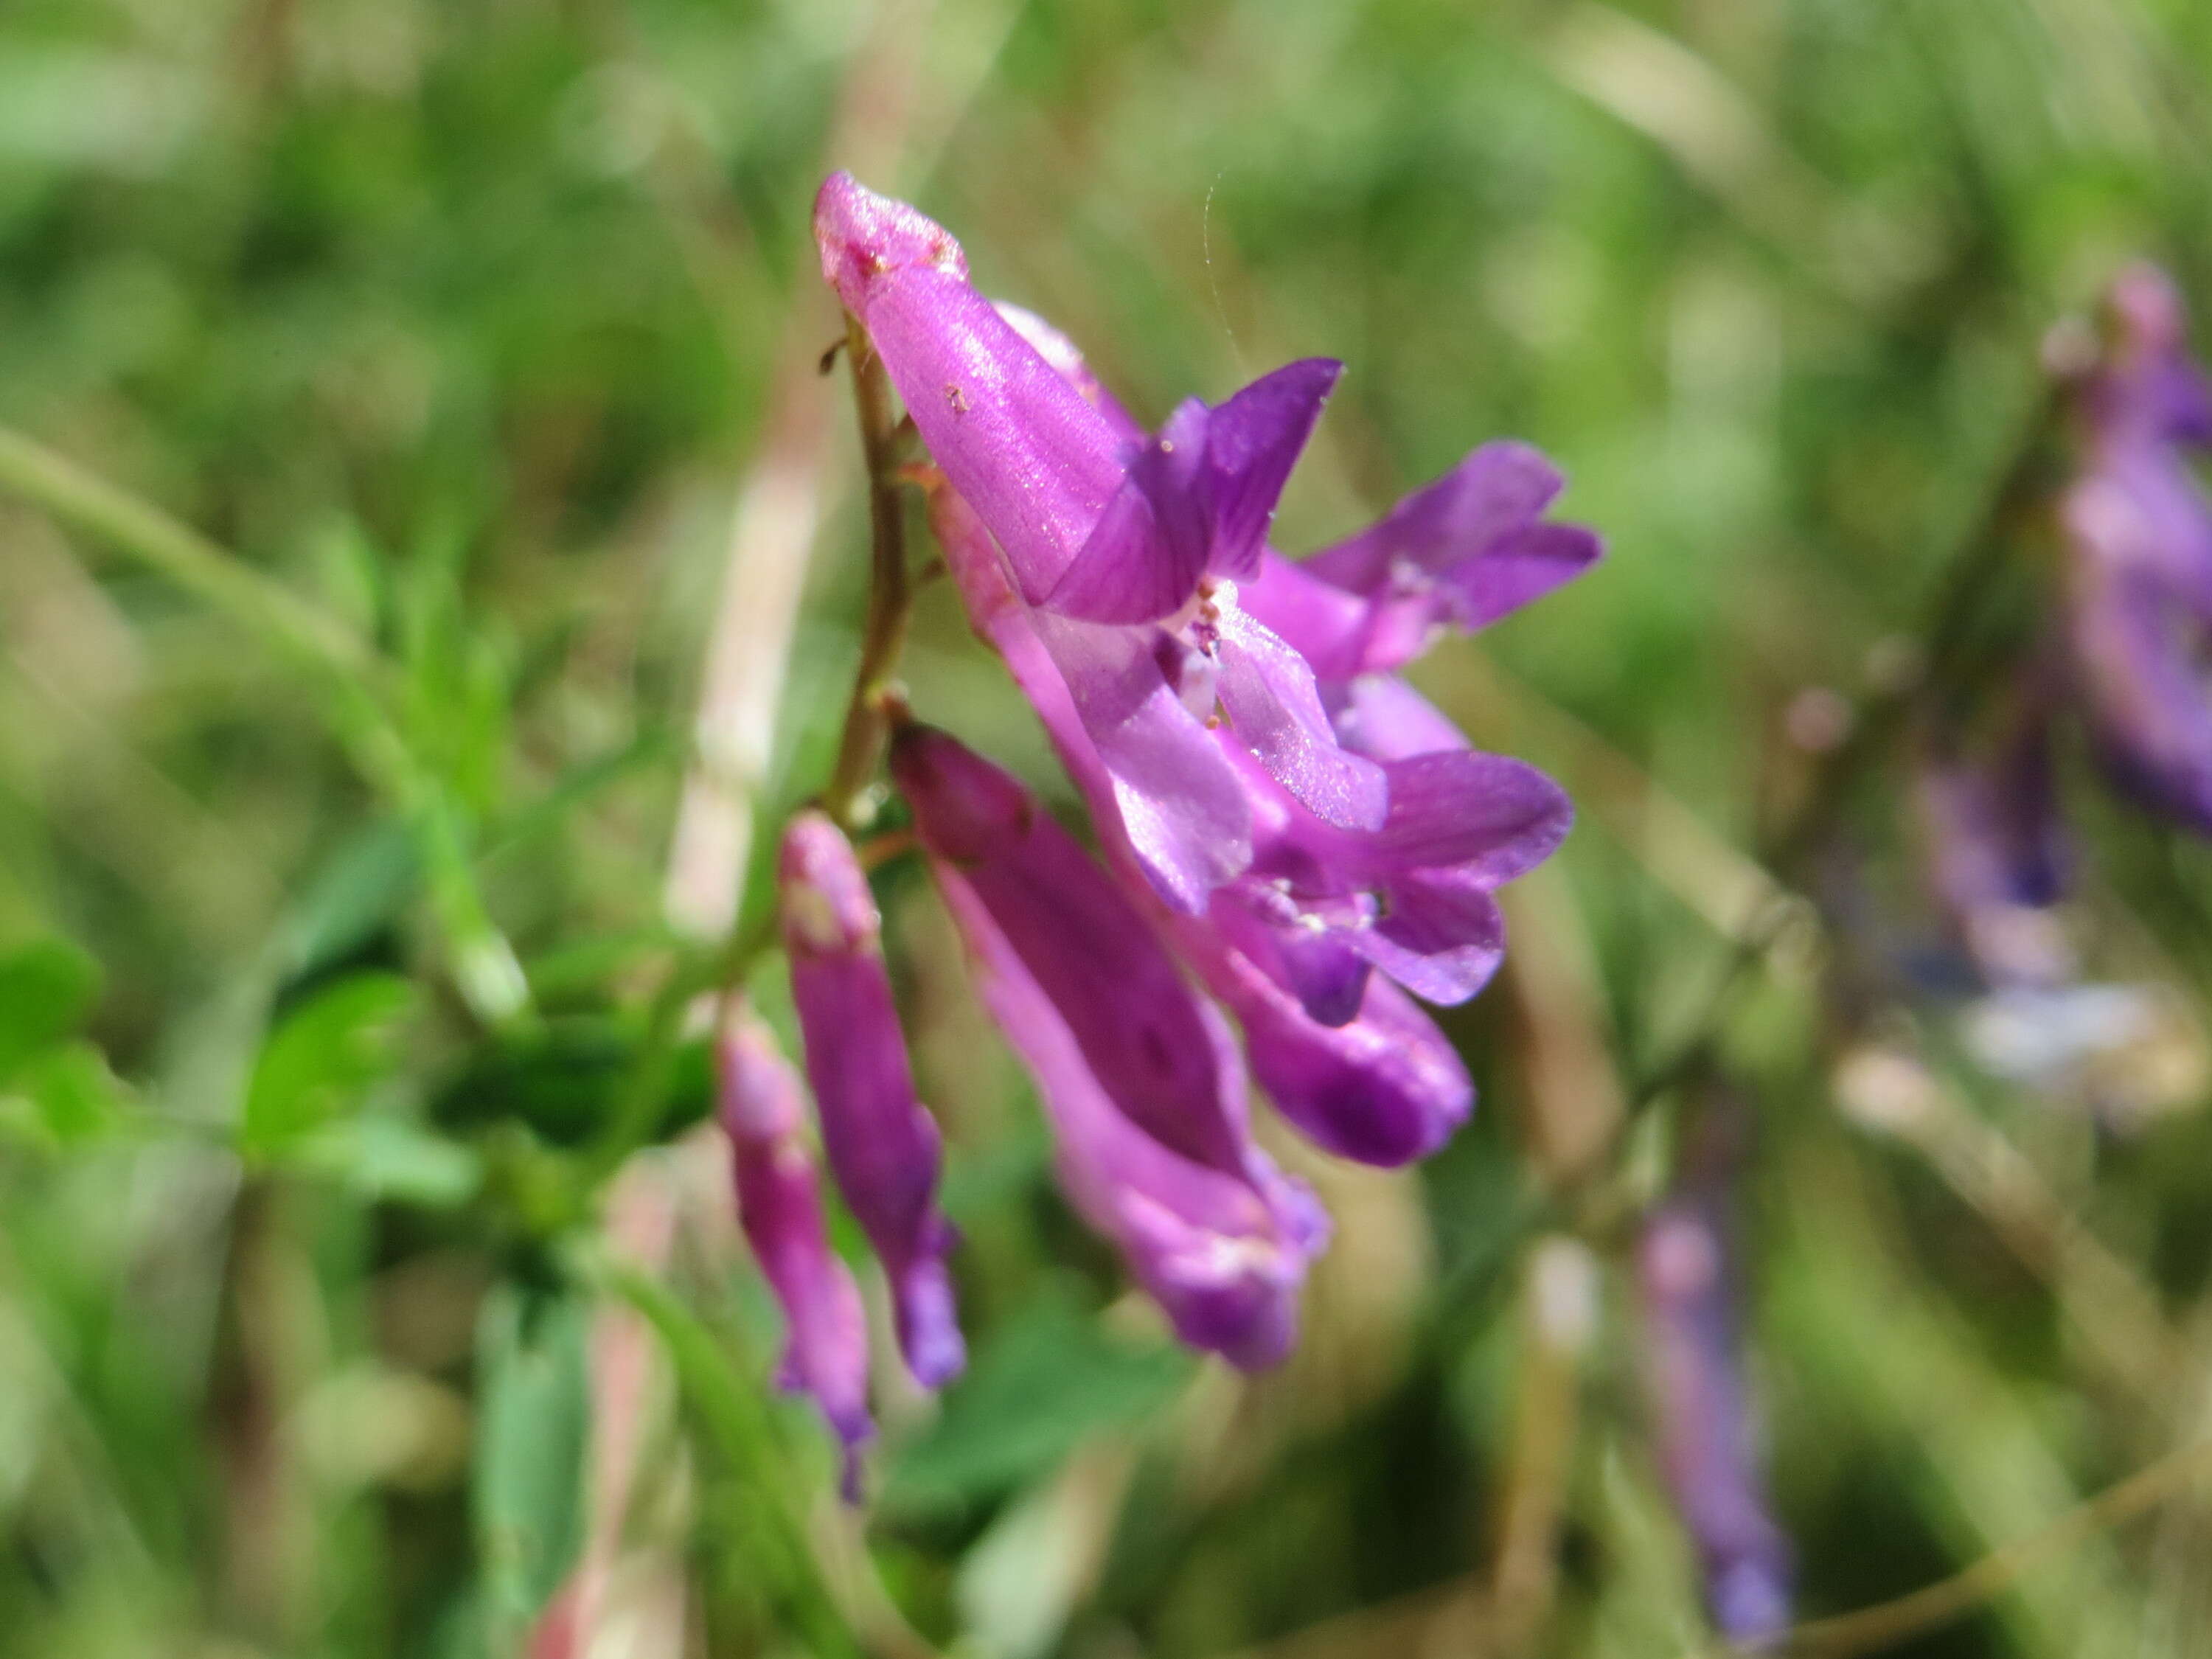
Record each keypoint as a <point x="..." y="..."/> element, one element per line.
<point x="2139" y="530"/>
<point x="1137" y="1076"/>
<point x="1702" y="1421"/>
<point x="1998" y="855"/>
<point x="779" y="1208"/>
<point x="883" y="1146"/>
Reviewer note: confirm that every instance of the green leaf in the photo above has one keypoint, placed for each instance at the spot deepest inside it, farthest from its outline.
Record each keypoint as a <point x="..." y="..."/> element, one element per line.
<point x="77" y="1097"/>
<point x="322" y="1057"/>
<point x="561" y="1076"/>
<point x="382" y="1156"/>
<point x="1041" y="1388"/>
<point x="360" y="888"/>
<point x="47" y="988"/>
<point x="531" y="1431"/>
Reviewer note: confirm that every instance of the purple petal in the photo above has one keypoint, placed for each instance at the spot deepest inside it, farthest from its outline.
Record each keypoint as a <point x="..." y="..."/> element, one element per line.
<point x="2141" y="510"/>
<point x="1385" y="1089"/>
<point x="1137" y="1076"/>
<point x="1177" y="796"/>
<point x="2147" y="703"/>
<point x="883" y="1146"/>
<point x="1324" y="969"/>
<point x="1487" y="816"/>
<point x="1703" y="1422"/>
<point x="1499" y="489"/>
<point x="1197" y="500"/>
<point x="1143" y="558"/>
<point x="1086" y="945"/>
<point x="1270" y="694"/>
<point x="1520" y="569"/>
<point x="1386" y="718"/>
<point x="1321" y="622"/>
<point x="1068" y="361"/>
<point x="779" y="1207"/>
<point x="1150" y="774"/>
<point x="1252" y="443"/>
<point x="1443" y="938"/>
<point x="1021" y="445"/>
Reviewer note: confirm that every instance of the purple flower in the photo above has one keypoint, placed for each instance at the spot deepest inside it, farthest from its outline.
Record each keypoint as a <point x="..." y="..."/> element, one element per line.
<point x="1998" y="856"/>
<point x="883" y="1146"/>
<point x="1384" y="1088"/>
<point x="1465" y="551"/>
<point x="1137" y="1076"/>
<point x="1128" y="551"/>
<point x="1706" y="1435"/>
<point x="1287" y="947"/>
<point x="779" y="1207"/>
<point x="2139" y="612"/>
<point x="1320" y="906"/>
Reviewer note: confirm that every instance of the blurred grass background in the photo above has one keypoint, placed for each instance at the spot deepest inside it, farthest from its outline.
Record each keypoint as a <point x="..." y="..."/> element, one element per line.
<point x="468" y="321"/>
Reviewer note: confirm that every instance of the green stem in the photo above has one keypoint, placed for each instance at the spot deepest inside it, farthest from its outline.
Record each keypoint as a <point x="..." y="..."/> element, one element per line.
<point x="890" y="594"/>
<point x="632" y="1122"/>
<point x="737" y="1424"/>
<point x="79" y="497"/>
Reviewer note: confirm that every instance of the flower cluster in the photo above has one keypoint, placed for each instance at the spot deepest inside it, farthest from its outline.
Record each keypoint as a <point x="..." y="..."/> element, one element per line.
<point x="1280" y="819"/>
<point x="2139" y="539"/>
<point x="1704" y="1432"/>
<point x="2128" y="651"/>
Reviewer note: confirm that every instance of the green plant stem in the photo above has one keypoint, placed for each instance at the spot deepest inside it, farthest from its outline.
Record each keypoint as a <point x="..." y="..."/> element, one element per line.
<point x="736" y="1424"/>
<point x="859" y="750"/>
<point x="78" y="496"/>
<point x="1886" y="1625"/>
<point x="890" y="594"/>
<point x="631" y="1124"/>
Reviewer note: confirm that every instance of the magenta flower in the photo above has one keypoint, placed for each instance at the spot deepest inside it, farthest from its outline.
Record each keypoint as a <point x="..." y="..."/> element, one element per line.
<point x="1998" y="856"/>
<point x="1385" y="1087"/>
<point x="1465" y="551"/>
<point x="1127" y="552"/>
<point x="1137" y="1077"/>
<point x="2140" y="533"/>
<point x="883" y="1146"/>
<point x="780" y="1206"/>
<point x="1288" y="943"/>
<point x="1703" y="1423"/>
<point x="1320" y="906"/>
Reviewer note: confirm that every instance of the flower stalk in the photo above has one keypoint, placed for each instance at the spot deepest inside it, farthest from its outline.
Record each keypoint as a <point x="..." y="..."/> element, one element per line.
<point x="890" y="593"/>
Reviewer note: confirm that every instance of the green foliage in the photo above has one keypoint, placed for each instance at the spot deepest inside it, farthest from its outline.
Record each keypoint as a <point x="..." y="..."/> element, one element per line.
<point x="528" y="1487"/>
<point x="322" y="1058"/>
<point x="1050" y="1379"/>
<point x="46" y="990"/>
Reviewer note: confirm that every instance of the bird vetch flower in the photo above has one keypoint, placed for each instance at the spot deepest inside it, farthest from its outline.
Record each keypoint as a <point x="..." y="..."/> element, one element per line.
<point x="1702" y="1420"/>
<point x="1137" y="1076"/>
<point x="779" y="1207"/>
<point x="2140" y="577"/>
<point x="1287" y="934"/>
<point x="881" y="1143"/>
